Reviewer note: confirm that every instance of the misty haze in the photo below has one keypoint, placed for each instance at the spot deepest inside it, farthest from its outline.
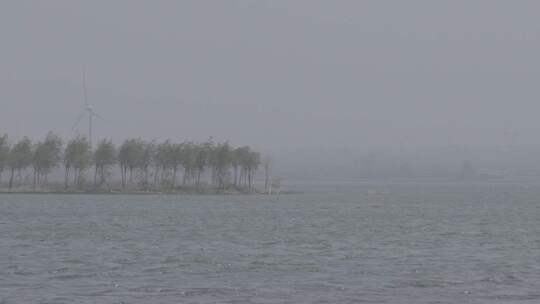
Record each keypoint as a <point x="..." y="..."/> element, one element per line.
<point x="301" y="151"/>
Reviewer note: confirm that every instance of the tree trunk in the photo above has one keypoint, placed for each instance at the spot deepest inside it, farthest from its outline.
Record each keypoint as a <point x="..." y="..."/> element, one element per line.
<point x="249" y="180"/>
<point x="11" y="178"/>
<point x="266" y="179"/>
<point x="101" y="175"/>
<point x="19" y="177"/>
<point x="175" y="169"/>
<point x="77" y="178"/>
<point x="66" y="178"/>
<point x="146" y="178"/>
<point x="235" y="175"/>
<point x="184" y="178"/>
<point x="156" y="176"/>
<point x="163" y="174"/>
<point x="123" y="175"/>
<point x="34" y="180"/>
<point x="95" y="177"/>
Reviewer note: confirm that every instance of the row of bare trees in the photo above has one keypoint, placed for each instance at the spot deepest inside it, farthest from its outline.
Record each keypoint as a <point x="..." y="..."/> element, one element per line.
<point x="143" y="165"/>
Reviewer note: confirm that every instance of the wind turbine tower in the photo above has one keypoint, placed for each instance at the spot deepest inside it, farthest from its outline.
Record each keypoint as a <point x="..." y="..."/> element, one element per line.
<point x="87" y="110"/>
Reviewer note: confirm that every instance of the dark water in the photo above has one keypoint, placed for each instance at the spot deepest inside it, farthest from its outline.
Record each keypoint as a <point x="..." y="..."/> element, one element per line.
<point x="401" y="243"/>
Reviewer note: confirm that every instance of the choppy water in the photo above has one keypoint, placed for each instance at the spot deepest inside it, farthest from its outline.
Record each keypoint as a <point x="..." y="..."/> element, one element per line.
<point x="408" y="243"/>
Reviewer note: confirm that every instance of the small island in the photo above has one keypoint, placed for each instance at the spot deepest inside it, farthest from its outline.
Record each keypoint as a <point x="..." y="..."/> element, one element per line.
<point x="137" y="166"/>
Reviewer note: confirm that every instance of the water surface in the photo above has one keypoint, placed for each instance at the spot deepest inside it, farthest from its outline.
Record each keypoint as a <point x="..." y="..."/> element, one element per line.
<point x="338" y="243"/>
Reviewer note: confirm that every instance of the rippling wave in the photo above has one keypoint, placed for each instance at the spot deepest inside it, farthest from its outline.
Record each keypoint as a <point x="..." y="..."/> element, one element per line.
<point x="440" y="243"/>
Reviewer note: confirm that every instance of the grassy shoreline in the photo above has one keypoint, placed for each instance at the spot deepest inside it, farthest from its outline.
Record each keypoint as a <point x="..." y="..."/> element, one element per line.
<point x="186" y="191"/>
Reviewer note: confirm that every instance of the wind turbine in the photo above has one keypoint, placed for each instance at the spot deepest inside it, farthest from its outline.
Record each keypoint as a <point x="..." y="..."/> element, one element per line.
<point x="87" y="110"/>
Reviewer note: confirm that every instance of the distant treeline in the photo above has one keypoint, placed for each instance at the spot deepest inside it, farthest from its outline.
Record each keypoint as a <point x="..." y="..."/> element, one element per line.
<point x="143" y="165"/>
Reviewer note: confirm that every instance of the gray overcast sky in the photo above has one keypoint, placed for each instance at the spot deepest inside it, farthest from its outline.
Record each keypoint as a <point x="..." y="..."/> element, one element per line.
<point x="275" y="74"/>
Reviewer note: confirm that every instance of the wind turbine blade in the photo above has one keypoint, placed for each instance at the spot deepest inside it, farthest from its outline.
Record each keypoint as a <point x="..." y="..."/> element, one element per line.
<point x="78" y="120"/>
<point x="98" y="116"/>
<point x="84" y="88"/>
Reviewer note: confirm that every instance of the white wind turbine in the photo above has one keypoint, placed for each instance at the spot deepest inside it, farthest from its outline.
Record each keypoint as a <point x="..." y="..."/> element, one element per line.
<point x="87" y="110"/>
